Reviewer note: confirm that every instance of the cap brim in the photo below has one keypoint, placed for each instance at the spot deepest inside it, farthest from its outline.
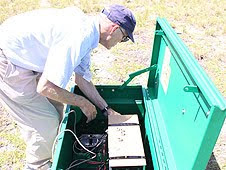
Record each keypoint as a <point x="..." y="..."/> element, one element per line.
<point x="131" y="36"/>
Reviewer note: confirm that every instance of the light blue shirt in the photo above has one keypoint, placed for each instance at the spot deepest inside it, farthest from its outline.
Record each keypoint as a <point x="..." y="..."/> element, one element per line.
<point x="53" y="41"/>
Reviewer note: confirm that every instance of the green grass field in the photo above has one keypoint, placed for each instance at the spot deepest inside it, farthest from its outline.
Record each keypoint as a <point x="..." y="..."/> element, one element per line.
<point x="201" y="24"/>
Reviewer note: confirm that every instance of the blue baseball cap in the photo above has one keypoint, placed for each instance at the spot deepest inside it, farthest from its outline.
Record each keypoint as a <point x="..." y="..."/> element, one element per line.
<point x="123" y="17"/>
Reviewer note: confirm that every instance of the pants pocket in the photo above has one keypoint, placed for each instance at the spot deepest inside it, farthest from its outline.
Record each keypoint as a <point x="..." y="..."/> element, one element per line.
<point x="19" y="84"/>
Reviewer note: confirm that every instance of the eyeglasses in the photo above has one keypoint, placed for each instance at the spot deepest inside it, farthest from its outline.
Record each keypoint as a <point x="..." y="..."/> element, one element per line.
<point x="125" y="37"/>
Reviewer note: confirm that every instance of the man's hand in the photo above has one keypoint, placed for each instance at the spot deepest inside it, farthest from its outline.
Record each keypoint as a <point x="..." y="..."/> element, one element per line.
<point x="112" y="112"/>
<point x="88" y="109"/>
<point x="91" y="92"/>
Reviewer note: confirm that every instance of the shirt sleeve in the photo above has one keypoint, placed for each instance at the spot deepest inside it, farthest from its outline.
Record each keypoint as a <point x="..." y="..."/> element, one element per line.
<point x="70" y="52"/>
<point x="83" y="68"/>
<point x="61" y="61"/>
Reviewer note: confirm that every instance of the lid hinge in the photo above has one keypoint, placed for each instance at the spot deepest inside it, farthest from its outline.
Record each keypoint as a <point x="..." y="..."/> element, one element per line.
<point x="190" y="88"/>
<point x="132" y="75"/>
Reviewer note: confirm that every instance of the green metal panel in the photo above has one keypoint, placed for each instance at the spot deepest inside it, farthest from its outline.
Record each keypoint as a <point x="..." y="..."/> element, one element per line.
<point x="63" y="152"/>
<point x="126" y="101"/>
<point x="185" y="110"/>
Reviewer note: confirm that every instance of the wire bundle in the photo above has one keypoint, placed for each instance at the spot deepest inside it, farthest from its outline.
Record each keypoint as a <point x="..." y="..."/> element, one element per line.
<point x="82" y="149"/>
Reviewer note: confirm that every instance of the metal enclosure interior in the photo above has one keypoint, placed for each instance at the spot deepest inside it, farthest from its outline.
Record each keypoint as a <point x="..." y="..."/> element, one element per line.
<point x="181" y="112"/>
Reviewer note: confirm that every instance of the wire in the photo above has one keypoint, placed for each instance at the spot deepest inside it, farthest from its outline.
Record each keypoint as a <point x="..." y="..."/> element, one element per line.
<point x="95" y="162"/>
<point x="59" y="128"/>
<point x="103" y="165"/>
<point x="72" y="111"/>
<point x="88" y="151"/>
<point x="68" y="130"/>
<point x="99" y="141"/>
<point x="75" y="145"/>
<point x="98" y="144"/>
<point x="86" y="160"/>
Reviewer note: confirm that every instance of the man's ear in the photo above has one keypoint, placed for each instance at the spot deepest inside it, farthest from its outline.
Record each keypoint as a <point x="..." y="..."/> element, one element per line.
<point x="113" y="28"/>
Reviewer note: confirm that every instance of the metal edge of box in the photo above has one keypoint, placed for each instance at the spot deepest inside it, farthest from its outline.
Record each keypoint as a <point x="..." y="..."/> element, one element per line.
<point x="155" y="125"/>
<point x="209" y="141"/>
<point x="56" y="157"/>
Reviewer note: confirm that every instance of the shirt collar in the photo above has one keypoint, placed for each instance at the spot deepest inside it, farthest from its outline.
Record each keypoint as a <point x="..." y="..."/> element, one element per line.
<point x="96" y="32"/>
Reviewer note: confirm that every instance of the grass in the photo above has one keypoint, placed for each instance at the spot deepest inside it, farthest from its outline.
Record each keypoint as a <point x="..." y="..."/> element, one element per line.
<point x="14" y="155"/>
<point x="12" y="7"/>
<point x="86" y="6"/>
<point x="203" y="28"/>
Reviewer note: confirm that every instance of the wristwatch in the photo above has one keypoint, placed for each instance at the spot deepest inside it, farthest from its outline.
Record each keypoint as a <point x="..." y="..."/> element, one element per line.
<point x="105" y="109"/>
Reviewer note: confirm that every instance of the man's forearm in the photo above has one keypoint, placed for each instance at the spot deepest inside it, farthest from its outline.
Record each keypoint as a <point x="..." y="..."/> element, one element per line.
<point x="90" y="91"/>
<point x="48" y="89"/>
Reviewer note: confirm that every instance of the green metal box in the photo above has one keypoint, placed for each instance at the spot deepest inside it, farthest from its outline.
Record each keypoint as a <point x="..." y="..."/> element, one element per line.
<point x="180" y="111"/>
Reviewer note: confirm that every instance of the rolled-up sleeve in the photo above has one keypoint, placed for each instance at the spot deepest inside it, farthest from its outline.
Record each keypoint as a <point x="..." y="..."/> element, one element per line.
<point x="83" y="68"/>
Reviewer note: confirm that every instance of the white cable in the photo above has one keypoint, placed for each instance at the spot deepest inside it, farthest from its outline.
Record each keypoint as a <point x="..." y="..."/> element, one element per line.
<point x="54" y="143"/>
<point x="72" y="111"/>
<point x="68" y="130"/>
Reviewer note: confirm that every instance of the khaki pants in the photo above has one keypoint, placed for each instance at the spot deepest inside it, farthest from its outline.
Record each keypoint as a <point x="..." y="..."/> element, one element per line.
<point x="37" y="116"/>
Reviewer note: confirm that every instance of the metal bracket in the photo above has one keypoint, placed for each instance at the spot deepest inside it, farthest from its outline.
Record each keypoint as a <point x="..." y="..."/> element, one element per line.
<point x="159" y="32"/>
<point x="190" y="88"/>
<point x="132" y="75"/>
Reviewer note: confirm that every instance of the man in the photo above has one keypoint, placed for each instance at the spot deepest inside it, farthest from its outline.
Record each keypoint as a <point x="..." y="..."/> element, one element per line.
<point x="39" y="51"/>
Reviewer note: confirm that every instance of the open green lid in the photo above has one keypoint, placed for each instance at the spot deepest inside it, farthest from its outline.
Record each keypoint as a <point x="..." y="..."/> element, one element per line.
<point x="184" y="110"/>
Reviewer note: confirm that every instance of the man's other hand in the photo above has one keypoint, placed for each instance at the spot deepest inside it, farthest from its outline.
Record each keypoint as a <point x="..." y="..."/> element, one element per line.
<point x="112" y="112"/>
<point x="89" y="110"/>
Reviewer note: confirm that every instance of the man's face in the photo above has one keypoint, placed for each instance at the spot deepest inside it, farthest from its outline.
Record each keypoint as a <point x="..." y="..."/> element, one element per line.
<point x="114" y="36"/>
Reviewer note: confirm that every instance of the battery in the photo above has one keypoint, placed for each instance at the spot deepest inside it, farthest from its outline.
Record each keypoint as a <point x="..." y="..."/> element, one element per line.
<point x="125" y="146"/>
